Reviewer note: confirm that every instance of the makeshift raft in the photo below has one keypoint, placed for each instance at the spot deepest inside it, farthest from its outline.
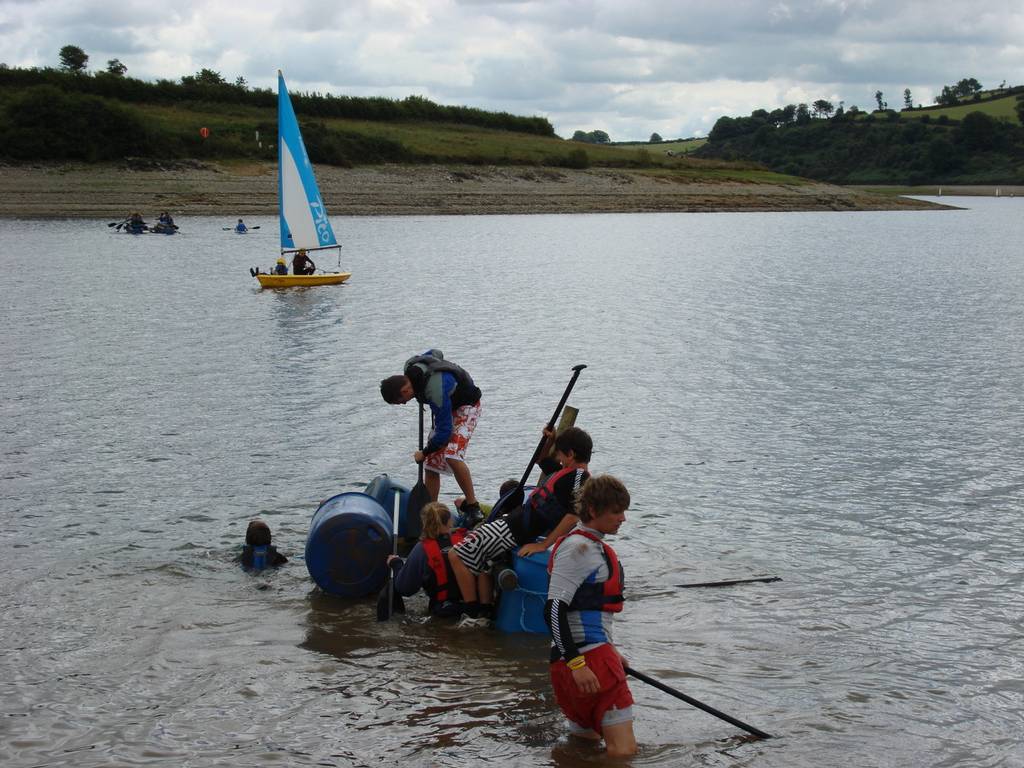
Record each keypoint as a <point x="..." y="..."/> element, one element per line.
<point x="350" y="539"/>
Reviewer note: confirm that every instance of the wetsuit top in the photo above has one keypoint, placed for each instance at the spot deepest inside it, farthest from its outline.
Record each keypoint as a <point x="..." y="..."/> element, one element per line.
<point x="263" y="556"/>
<point x="240" y="227"/>
<point x="418" y="570"/>
<point x="584" y="593"/>
<point x="280" y="269"/>
<point x="443" y="386"/>
<point x="547" y="505"/>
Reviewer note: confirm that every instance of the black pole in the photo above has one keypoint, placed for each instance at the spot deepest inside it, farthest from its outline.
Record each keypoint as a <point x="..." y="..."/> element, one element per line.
<point x="699" y="704"/>
<point x="730" y="583"/>
<point x="514" y="498"/>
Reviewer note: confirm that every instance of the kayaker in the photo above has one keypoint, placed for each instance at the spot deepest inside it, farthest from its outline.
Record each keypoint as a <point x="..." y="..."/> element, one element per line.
<point x="280" y="268"/>
<point x="585" y="592"/>
<point x="454" y="402"/>
<point x="240" y="226"/>
<point x="302" y="264"/>
<point x="258" y="553"/>
<point x="547" y="513"/>
<point x="166" y="220"/>
<point x="427" y="566"/>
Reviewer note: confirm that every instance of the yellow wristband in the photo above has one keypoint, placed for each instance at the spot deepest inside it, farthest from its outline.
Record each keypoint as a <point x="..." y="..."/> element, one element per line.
<point x="579" y="662"/>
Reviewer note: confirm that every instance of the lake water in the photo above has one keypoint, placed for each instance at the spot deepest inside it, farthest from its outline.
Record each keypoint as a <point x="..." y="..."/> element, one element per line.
<point x="834" y="399"/>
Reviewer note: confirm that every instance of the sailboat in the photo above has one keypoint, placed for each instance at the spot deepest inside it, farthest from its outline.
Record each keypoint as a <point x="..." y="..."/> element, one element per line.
<point x="303" y="217"/>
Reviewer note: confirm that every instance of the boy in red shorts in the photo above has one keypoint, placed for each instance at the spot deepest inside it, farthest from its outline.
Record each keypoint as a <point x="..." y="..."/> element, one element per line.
<point x="584" y="594"/>
<point x="454" y="402"/>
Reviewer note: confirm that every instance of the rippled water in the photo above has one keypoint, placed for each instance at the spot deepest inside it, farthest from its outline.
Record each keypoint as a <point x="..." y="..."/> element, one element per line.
<point x="834" y="399"/>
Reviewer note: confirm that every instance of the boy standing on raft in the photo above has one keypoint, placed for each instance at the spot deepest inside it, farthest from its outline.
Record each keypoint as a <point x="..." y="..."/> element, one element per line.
<point x="584" y="594"/>
<point x="454" y="402"/>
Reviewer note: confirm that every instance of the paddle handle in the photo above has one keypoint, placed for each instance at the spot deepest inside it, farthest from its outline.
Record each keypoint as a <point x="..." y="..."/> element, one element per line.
<point x="576" y="369"/>
<point x="698" y="704"/>
<point x="394" y="549"/>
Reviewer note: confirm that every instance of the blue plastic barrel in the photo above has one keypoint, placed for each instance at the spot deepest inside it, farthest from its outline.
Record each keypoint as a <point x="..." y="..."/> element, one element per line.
<point x="522" y="609"/>
<point x="348" y="544"/>
<point x="383" y="488"/>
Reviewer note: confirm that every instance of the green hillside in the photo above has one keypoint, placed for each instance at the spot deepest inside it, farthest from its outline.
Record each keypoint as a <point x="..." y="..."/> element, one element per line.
<point x="1001" y="105"/>
<point x="48" y="114"/>
<point x="980" y="141"/>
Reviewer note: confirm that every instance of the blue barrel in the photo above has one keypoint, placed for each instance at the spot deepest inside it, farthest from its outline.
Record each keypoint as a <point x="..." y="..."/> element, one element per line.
<point x="522" y="609"/>
<point x="348" y="544"/>
<point x="383" y="488"/>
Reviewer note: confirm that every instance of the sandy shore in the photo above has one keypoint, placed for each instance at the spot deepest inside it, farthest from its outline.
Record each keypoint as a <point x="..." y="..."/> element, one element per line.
<point x="197" y="189"/>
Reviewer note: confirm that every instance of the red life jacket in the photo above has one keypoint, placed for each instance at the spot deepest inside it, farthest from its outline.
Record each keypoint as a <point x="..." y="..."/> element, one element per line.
<point x="440" y="566"/>
<point x="596" y="596"/>
<point x="544" y="511"/>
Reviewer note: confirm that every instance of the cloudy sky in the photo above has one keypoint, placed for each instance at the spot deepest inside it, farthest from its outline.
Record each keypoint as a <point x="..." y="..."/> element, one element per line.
<point x="628" y="67"/>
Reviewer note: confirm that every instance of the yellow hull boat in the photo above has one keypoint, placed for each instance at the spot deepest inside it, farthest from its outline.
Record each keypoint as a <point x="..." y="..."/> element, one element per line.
<point x="295" y="281"/>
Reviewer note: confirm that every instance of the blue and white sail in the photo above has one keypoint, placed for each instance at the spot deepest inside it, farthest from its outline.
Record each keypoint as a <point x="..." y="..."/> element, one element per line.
<point x="304" y="222"/>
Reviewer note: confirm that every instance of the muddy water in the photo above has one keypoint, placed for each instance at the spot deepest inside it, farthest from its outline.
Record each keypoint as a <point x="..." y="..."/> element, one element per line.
<point x="834" y="399"/>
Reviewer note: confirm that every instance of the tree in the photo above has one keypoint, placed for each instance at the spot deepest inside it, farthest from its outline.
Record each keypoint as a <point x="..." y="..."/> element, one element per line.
<point x="908" y="100"/>
<point x="823" y="108"/>
<point x="978" y="131"/>
<point x="656" y="139"/>
<point x="592" y="137"/>
<point x="116" y="68"/>
<point x="73" y="58"/>
<point x="204" y="77"/>
<point x="882" y="106"/>
<point x="240" y="82"/>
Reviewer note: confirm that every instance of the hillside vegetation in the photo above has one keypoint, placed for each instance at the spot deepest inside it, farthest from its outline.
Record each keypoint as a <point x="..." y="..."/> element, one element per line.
<point x="980" y="141"/>
<point x="50" y="114"/>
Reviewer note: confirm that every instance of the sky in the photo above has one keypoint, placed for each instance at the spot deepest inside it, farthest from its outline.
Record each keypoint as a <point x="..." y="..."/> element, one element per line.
<point x="630" y="68"/>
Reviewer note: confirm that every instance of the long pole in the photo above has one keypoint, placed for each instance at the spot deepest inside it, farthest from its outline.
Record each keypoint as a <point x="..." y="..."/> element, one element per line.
<point x="699" y="704"/>
<point x="515" y="498"/>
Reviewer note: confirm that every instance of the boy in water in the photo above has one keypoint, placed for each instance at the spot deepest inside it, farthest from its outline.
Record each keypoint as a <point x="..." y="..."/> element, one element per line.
<point x="584" y="594"/>
<point x="258" y="553"/>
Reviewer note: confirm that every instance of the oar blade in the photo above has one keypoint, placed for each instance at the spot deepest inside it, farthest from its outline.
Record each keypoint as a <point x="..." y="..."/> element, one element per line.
<point x="419" y="497"/>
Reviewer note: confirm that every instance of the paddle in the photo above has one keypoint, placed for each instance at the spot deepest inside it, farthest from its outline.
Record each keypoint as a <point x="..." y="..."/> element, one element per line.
<point x="731" y="582"/>
<point x="386" y="599"/>
<point x="247" y="229"/>
<point x="117" y="224"/>
<point x="419" y="496"/>
<point x="514" y="498"/>
<point x="699" y="704"/>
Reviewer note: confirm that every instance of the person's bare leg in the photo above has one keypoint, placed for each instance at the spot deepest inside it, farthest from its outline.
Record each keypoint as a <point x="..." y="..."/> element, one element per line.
<point x="466" y="580"/>
<point x="485" y="589"/>
<point x="432" y="481"/>
<point x="619" y="739"/>
<point x="462" y="476"/>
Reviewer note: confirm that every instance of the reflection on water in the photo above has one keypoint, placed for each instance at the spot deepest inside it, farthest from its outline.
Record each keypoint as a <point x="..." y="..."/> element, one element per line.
<point x="833" y="399"/>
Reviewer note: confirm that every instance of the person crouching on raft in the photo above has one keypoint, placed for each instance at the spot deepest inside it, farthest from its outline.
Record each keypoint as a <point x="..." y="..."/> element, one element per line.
<point x="427" y="566"/>
<point x="584" y="594"/>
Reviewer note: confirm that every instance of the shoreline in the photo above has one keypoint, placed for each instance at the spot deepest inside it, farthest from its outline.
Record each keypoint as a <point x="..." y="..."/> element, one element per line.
<point x="192" y="188"/>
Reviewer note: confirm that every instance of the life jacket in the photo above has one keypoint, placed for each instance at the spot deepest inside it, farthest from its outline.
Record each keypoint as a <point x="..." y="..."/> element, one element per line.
<point x="543" y="510"/>
<point x="421" y="368"/>
<point x="441" y="569"/>
<point x="259" y="557"/>
<point x="596" y="596"/>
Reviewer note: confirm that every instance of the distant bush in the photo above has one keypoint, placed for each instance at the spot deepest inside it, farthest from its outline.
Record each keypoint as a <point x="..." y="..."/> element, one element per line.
<point x="45" y="123"/>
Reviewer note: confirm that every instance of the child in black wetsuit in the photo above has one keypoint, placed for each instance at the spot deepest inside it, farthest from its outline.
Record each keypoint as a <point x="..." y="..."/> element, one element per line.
<point x="258" y="553"/>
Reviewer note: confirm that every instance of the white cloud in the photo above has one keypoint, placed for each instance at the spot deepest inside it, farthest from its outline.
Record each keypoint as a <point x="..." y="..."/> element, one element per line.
<point x="671" y="66"/>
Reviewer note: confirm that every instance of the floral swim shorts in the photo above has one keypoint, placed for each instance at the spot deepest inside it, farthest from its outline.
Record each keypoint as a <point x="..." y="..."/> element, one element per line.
<point x="463" y="423"/>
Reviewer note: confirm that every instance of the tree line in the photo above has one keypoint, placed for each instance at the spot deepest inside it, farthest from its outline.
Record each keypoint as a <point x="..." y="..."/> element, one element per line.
<point x="853" y="147"/>
<point x="209" y="86"/>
